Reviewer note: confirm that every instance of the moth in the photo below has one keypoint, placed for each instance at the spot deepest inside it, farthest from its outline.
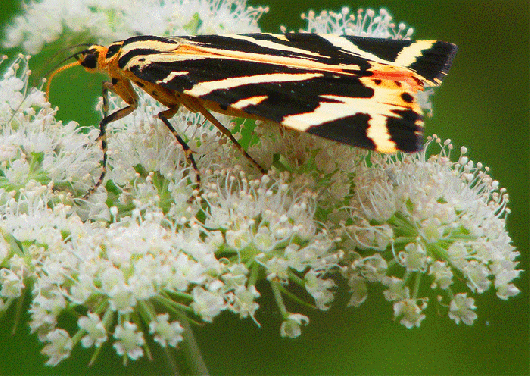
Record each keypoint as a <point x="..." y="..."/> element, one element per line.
<point x="355" y="90"/>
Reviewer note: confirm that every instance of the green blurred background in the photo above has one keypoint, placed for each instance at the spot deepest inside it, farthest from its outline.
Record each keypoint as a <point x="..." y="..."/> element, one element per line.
<point x="484" y="105"/>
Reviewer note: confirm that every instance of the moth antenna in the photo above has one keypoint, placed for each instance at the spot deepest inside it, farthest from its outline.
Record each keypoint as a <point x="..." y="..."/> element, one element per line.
<point x="58" y="70"/>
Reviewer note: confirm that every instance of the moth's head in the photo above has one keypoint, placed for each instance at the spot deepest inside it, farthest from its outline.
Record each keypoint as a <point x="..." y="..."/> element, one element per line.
<point x="92" y="59"/>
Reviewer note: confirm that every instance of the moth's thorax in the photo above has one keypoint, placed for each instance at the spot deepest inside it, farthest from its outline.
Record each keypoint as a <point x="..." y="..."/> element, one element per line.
<point x="109" y="61"/>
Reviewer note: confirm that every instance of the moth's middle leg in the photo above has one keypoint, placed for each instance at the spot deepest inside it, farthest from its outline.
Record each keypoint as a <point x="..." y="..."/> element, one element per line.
<point x="168" y="114"/>
<point x="196" y="106"/>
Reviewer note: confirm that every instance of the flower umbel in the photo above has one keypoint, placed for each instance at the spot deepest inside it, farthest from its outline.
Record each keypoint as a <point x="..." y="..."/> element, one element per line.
<point x="103" y="22"/>
<point x="147" y="253"/>
<point x="418" y="219"/>
<point x="141" y="244"/>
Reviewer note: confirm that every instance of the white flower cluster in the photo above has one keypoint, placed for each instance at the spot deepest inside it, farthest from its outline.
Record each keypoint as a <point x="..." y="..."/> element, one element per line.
<point x="113" y="262"/>
<point x="366" y="23"/>
<point x="103" y="21"/>
<point x="30" y="156"/>
<point x="429" y="219"/>
<point x="149" y="249"/>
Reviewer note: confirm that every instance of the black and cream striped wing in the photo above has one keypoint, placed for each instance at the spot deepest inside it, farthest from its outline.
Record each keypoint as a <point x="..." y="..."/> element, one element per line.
<point x="358" y="91"/>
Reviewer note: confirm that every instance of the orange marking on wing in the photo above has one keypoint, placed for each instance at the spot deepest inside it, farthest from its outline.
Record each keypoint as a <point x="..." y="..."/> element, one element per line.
<point x="401" y="75"/>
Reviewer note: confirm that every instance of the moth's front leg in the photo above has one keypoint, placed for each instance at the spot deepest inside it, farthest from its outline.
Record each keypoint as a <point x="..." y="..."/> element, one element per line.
<point x="123" y="89"/>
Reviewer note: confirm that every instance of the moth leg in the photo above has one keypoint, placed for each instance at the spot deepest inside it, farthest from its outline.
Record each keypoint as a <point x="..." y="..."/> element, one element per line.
<point x="105" y="87"/>
<point x="102" y="138"/>
<point x="195" y="106"/>
<point x="168" y="114"/>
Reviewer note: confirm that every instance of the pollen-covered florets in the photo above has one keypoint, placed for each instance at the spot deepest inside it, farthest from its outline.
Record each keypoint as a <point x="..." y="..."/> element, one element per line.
<point x="269" y="223"/>
<point x="366" y="23"/>
<point x="105" y="22"/>
<point x="147" y="235"/>
<point x="432" y="219"/>
<point x="30" y="156"/>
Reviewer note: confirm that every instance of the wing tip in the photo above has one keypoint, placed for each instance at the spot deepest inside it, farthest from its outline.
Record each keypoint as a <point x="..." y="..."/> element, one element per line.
<point x="434" y="62"/>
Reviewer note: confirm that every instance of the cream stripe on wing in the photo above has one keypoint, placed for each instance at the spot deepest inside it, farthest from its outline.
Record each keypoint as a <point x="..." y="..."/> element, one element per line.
<point x="378" y="107"/>
<point x="252" y="101"/>
<point x="206" y="87"/>
<point x="155" y="45"/>
<point x="171" y="76"/>
<point x="142" y="61"/>
<point x="274" y="45"/>
<point x="410" y="54"/>
<point x="348" y="46"/>
<point x="328" y="112"/>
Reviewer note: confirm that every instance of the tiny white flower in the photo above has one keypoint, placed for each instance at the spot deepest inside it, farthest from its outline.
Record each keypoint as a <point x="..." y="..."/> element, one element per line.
<point x="414" y="257"/>
<point x="277" y="269"/>
<point x="320" y="289"/>
<point x="442" y="273"/>
<point x="431" y="229"/>
<point x="186" y="271"/>
<point x="409" y="312"/>
<point x="243" y="301"/>
<point x="96" y="333"/>
<point x="128" y="340"/>
<point x="82" y="288"/>
<point x="59" y="347"/>
<point x="52" y="303"/>
<point x="236" y="277"/>
<point x="238" y="239"/>
<point x="207" y="304"/>
<point x="477" y="275"/>
<point x="505" y="289"/>
<point x="358" y="290"/>
<point x="122" y="298"/>
<point x="11" y="284"/>
<point x="373" y="268"/>
<point x="291" y="326"/>
<point x="397" y="290"/>
<point x="462" y="309"/>
<point x="166" y="333"/>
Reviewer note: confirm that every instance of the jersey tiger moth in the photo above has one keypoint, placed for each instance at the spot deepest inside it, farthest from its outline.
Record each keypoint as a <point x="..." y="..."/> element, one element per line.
<point x="358" y="91"/>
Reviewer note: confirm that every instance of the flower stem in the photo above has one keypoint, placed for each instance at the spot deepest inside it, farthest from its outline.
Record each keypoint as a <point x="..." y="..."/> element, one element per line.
<point x="190" y="347"/>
